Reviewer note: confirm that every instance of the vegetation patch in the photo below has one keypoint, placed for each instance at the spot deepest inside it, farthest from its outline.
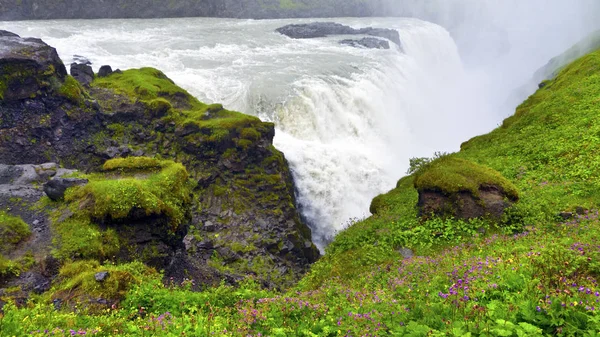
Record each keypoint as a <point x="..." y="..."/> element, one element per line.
<point x="72" y="90"/>
<point x="133" y="164"/>
<point x="164" y="98"/>
<point x="79" y="238"/>
<point x="12" y="230"/>
<point x="78" y="284"/>
<point x="451" y="175"/>
<point x="164" y="192"/>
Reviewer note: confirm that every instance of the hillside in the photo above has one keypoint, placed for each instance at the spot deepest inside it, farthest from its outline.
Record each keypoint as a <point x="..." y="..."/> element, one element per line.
<point x="533" y="271"/>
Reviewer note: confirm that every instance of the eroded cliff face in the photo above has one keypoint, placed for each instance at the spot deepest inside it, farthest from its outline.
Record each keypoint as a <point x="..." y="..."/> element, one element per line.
<point x="192" y="189"/>
<point x="76" y="9"/>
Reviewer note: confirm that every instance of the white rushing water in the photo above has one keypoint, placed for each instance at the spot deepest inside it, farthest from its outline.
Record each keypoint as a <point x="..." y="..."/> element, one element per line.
<point x="347" y="119"/>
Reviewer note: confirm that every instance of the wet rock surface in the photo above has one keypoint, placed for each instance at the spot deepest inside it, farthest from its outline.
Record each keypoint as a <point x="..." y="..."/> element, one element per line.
<point x="367" y="42"/>
<point x="323" y="29"/>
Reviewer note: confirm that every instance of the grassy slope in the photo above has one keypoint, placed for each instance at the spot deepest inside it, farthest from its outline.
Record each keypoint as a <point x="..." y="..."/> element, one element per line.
<point x="541" y="281"/>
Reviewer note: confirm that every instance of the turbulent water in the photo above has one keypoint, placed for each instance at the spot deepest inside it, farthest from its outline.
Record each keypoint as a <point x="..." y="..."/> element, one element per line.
<point x="347" y="119"/>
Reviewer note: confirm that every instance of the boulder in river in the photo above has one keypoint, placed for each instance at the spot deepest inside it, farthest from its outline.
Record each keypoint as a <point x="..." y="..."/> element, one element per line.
<point x="323" y="29"/>
<point x="367" y="42"/>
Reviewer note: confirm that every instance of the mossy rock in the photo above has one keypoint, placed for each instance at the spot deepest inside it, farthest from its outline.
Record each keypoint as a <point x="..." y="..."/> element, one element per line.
<point x="164" y="190"/>
<point x="12" y="230"/>
<point x="78" y="284"/>
<point x="28" y="67"/>
<point x="456" y="187"/>
<point x="450" y="175"/>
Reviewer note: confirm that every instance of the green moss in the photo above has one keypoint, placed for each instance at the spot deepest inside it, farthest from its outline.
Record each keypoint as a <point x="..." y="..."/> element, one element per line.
<point x="165" y="192"/>
<point x="72" y="90"/>
<point x="12" y="230"/>
<point x="79" y="238"/>
<point x="148" y="84"/>
<point x="159" y="106"/>
<point x="250" y="134"/>
<point x="77" y="281"/>
<point x="132" y="164"/>
<point x="162" y="96"/>
<point x="452" y="175"/>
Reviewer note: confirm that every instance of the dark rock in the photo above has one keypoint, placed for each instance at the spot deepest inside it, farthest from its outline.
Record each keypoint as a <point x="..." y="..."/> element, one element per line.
<point x="323" y="29"/>
<point x="30" y="67"/>
<point x="491" y="201"/>
<point x="406" y="253"/>
<point x="55" y="188"/>
<point x="367" y="42"/>
<point x="566" y="215"/>
<point x="57" y="304"/>
<point x="580" y="210"/>
<point x="115" y="152"/>
<point x="83" y="73"/>
<point x="105" y="71"/>
<point x="7" y="34"/>
<point x="209" y="226"/>
<point x="206" y="244"/>
<point x="101" y="276"/>
<point x="102" y="301"/>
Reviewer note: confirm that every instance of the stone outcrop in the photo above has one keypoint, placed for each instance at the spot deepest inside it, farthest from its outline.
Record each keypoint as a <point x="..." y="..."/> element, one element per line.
<point x="28" y="67"/>
<point x="367" y="42"/>
<point x="241" y="218"/>
<point x="323" y="29"/>
<point x="454" y="187"/>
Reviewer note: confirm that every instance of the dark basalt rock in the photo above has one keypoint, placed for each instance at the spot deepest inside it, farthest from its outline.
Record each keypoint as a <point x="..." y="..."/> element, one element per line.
<point x="367" y="42"/>
<point x="7" y="34"/>
<point x="83" y="73"/>
<point x="323" y="29"/>
<point x="101" y="276"/>
<point x="491" y="201"/>
<point x="28" y="67"/>
<point x="55" y="188"/>
<point x="105" y="71"/>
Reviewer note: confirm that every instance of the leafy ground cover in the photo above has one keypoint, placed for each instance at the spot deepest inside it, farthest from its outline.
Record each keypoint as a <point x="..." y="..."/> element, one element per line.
<point x="535" y="273"/>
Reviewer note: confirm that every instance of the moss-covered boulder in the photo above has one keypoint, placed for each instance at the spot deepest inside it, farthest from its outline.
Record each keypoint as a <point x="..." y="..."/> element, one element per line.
<point x="454" y="187"/>
<point x="28" y="67"/>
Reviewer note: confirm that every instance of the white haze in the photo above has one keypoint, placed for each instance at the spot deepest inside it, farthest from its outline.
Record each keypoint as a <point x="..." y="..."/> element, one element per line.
<point x="507" y="40"/>
<point x="347" y="119"/>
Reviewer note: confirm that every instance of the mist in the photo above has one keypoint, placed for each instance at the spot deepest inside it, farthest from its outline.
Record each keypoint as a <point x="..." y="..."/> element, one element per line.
<point x="503" y="42"/>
